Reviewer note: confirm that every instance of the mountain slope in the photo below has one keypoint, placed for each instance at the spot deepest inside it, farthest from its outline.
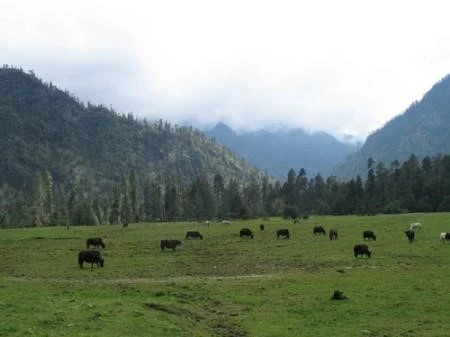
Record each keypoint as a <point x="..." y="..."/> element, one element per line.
<point x="278" y="152"/>
<point x="421" y="130"/>
<point x="44" y="128"/>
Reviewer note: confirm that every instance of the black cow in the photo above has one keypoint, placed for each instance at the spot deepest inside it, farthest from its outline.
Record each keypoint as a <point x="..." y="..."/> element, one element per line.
<point x="333" y="234"/>
<point x="90" y="256"/>
<point x="170" y="244"/>
<point x="410" y="234"/>
<point x="369" y="235"/>
<point x="261" y="227"/>
<point x="246" y="232"/>
<point x="283" y="232"/>
<point x="361" y="250"/>
<point x="96" y="242"/>
<point x="319" y="230"/>
<point x="125" y="225"/>
<point x="339" y="295"/>
<point x="194" y="235"/>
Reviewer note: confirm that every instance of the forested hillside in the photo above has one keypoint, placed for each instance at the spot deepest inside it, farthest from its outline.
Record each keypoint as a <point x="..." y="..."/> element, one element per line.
<point x="51" y="141"/>
<point x="421" y="130"/>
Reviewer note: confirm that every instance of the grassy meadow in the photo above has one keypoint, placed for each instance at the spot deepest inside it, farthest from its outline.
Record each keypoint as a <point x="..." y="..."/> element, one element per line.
<point x="225" y="285"/>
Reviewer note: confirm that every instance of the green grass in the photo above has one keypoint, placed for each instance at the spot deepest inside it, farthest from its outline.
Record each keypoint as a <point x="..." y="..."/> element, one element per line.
<point x="228" y="286"/>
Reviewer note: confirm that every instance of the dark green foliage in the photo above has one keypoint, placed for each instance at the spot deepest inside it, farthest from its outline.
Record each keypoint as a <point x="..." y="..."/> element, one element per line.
<point x="401" y="188"/>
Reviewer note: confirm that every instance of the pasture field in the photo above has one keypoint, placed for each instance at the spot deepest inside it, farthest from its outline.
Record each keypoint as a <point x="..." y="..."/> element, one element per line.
<point x="228" y="286"/>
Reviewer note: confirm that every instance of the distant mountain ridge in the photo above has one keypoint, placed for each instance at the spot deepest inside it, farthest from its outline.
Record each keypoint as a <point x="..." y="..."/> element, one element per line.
<point x="279" y="151"/>
<point x="422" y="130"/>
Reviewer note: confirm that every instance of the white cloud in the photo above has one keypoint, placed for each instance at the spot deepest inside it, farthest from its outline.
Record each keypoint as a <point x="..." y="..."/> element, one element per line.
<point x="342" y="67"/>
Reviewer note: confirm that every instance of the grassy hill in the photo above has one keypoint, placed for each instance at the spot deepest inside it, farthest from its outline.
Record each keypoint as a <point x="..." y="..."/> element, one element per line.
<point x="225" y="285"/>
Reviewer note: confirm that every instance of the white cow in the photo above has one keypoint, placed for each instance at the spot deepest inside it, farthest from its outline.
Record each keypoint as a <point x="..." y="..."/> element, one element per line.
<point x="444" y="237"/>
<point x="415" y="226"/>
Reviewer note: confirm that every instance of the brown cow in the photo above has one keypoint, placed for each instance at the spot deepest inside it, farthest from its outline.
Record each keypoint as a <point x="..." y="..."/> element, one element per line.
<point x="333" y="234"/>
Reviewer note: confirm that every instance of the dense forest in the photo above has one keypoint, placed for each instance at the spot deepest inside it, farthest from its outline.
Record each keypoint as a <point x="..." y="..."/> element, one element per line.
<point x="408" y="187"/>
<point x="66" y="163"/>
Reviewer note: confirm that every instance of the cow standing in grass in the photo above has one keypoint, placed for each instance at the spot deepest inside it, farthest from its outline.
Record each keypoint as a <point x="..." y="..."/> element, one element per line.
<point x="415" y="226"/>
<point x="445" y="237"/>
<point x="369" y="235"/>
<point x="284" y="233"/>
<point x="92" y="257"/>
<point x="96" y="242"/>
<point x="172" y="244"/>
<point x="333" y="234"/>
<point x="319" y="230"/>
<point x="362" y="250"/>
<point x="194" y="235"/>
<point x="246" y="232"/>
<point x="410" y="234"/>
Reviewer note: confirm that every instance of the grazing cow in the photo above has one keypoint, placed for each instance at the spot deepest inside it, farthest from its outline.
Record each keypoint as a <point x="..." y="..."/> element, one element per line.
<point x="410" y="235"/>
<point x="170" y="244"/>
<point x="333" y="234"/>
<point x="125" y="225"/>
<point x="261" y="228"/>
<point x="194" y="235"/>
<point x="90" y="256"/>
<point x="96" y="242"/>
<point x="246" y="232"/>
<point x="283" y="232"/>
<point x="369" y="235"/>
<point x="226" y="222"/>
<point x="319" y="230"/>
<point x="445" y="237"/>
<point x="296" y="221"/>
<point x="361" y="250"/>
<point x="338" y="295"/>
<point x="415" y="226"/>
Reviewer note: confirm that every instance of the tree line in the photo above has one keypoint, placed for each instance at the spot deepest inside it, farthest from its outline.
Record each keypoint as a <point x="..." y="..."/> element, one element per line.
<point x="411" y="186"/>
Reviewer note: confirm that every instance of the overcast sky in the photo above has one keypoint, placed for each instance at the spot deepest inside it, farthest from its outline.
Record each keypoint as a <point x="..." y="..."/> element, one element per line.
<point x="345" y="67"/>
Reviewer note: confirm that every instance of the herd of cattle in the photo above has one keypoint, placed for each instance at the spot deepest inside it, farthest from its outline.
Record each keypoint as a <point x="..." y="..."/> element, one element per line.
<point x="94" y="256"/>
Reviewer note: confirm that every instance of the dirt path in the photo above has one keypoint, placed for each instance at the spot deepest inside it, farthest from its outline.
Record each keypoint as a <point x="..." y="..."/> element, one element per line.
<point x="140" y="280"/>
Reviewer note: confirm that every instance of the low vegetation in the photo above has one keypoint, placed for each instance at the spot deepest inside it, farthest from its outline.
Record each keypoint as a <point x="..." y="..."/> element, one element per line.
<point x="225" y="285"/>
